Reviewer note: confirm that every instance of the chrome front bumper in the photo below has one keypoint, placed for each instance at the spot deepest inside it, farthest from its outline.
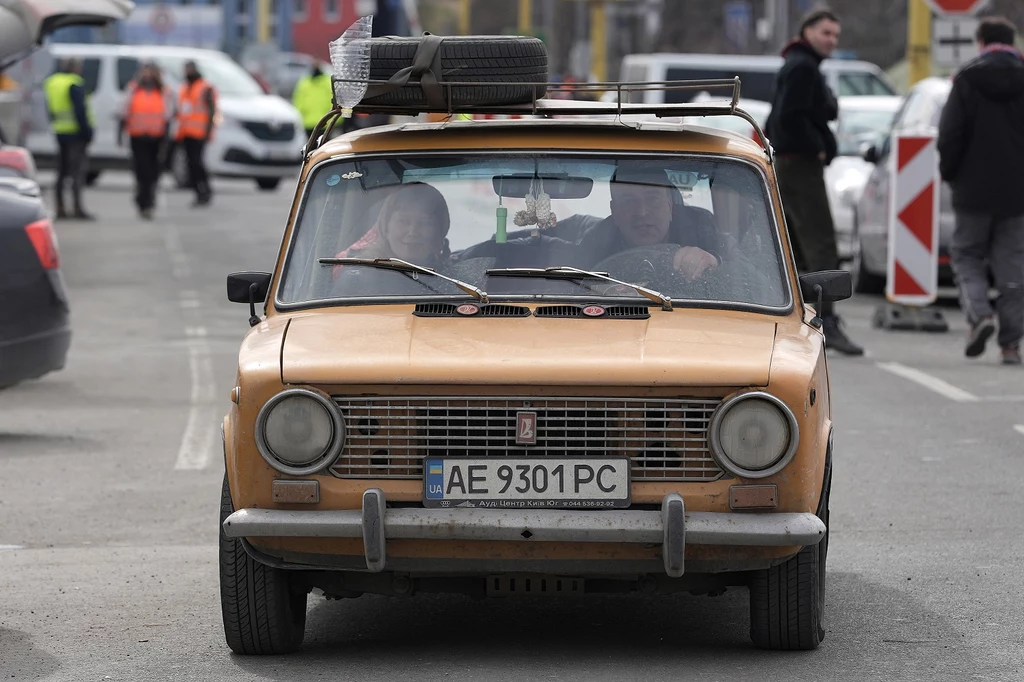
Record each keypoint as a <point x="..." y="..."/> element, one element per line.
<point x="672" y="527"/>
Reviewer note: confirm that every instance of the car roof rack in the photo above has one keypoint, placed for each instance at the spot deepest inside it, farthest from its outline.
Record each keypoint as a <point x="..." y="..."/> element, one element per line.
<point x="548" y="106"/>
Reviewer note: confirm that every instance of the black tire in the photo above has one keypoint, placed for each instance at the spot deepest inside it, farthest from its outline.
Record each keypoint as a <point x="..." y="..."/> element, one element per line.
<point x="865" y="282"/>
<point x="787" y="602"/>
<point x="468" y="59"/>
<point x="268" y="184"/>
<point x="263" y="612"/>
<point x="179" y="168"/>
<point x="91" y="177"/>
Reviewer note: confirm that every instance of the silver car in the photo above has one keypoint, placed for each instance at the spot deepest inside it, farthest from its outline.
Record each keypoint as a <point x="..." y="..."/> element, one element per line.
<point x="919" y="113"/>
<point x="863" y="122"/>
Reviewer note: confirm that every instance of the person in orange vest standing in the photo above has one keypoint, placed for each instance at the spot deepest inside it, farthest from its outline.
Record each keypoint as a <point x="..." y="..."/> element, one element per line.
<point x="145" y="120"/>
<point x="197" y="106"/>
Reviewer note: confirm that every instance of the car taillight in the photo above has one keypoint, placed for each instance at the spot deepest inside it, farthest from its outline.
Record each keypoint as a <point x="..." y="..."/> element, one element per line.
<point x="18" y="159"/>
<point x="44" y="240"/>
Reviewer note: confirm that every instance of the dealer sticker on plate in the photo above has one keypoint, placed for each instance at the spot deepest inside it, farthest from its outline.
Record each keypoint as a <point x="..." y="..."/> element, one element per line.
<point x="526" y="482"/>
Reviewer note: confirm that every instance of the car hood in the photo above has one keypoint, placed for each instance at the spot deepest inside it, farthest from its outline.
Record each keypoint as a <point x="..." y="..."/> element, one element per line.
<point x="388" y="345"/>
<point x="258" y="108"/>
<point x="24" y="23"/>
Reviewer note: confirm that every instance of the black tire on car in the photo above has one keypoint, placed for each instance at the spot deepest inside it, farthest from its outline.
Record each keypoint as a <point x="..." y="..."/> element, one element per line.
<point x="787" y="602"/>
<point x="864" y="281"/>
<point x="268" y="184"/>
<point x="506" y="61"/>
<point x="264" y="613"/>
<point x="179" y="167"/>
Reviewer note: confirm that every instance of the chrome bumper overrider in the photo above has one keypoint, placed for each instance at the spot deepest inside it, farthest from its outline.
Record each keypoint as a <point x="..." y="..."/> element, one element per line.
<point x="672" y="527"/>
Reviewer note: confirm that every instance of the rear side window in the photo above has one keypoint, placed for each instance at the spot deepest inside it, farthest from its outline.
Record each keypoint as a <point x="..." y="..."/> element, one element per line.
<point x="753" y="84"/>
<point x="91" y="73"/>
<point x="127" y="67"/>
<point x="860" y="84"/>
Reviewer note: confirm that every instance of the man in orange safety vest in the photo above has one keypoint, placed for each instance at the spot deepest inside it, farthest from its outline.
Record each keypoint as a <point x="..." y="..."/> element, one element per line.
<point x="197" y="107"/>
<point x="145" y="121"/>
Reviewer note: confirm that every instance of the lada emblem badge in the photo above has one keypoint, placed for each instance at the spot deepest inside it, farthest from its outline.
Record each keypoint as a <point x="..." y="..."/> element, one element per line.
<point x="526" y="428"/>
<point x="593" y="311"/>
<point x="468" y="309"/>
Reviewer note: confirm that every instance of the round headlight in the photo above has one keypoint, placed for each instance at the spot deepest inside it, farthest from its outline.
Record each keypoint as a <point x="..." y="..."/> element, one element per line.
<point x="753" y="435"/>
<point x="299" y="432"/>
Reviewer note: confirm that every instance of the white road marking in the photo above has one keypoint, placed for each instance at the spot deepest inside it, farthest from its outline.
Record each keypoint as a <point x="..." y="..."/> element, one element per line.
<point x="943" y="388"/>
<point x="10" y="547"/>
<point x="199" y="439"/>
<point x="1019" y="428"/>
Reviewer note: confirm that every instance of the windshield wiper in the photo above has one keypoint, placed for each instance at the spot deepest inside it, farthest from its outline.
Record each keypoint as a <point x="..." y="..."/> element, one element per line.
<point x="405" y="266"/>
<point x="566" y="272"/>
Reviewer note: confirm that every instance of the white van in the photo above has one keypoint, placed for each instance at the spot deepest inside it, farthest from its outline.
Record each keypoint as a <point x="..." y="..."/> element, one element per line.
<point x="258" y="136"/>
<point x="846" y="77"/>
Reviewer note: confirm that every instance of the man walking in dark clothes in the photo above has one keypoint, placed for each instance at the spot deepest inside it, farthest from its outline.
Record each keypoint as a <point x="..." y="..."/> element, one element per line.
<point x="71" y="120"/>
<point x="804" y="144"/>
<point x="981" y="156"/>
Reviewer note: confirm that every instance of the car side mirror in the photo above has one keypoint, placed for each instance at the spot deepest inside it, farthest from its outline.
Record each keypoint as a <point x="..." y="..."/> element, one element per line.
<point x="826" y="286"/>
<point x="251" y="288"/>
<point x="871" y="154"/>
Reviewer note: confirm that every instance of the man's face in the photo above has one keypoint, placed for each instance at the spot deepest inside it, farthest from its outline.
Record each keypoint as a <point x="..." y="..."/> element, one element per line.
<point x="642" y="213"/>
<point x="823" y="36"/>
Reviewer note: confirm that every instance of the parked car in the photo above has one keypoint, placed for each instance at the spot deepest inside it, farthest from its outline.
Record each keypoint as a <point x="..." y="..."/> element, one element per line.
<point x="16" y="161"/>
<point x="674" y="435"/>
<point x="919" y="113"/>
<point x="34" y="330"/>
<point x="863" y="122"/>
<point x="258" y="136"/>
<point x="846" y="77"/>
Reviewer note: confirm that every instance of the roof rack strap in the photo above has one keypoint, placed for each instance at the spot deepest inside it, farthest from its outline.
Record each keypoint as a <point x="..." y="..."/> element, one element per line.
<point x="426" y="64"/>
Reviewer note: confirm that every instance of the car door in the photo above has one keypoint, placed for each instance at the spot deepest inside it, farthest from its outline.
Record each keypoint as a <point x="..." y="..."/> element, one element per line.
<point x="24" y="23"/>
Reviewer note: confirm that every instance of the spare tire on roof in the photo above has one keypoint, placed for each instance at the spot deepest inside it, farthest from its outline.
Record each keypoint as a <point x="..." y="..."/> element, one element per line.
<point x="418" y="68"/>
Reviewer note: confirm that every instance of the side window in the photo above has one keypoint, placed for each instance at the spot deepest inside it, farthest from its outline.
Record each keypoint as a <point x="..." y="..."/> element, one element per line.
<point x="127" y="67"/>
<point x="860" y="84"/>
<point x="758" y="85"/>
<point x="91" y="73"/>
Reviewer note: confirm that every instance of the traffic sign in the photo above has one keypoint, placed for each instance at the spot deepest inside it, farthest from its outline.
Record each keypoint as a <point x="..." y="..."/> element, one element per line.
<point x="161" y="20"/>
<point x="953" y="41"/>
<point x="913" y="259"/>
<point x="956" y="7"/>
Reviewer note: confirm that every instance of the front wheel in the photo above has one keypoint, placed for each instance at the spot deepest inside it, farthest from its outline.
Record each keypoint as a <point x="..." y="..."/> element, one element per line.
<point x="787" y="602"/>
<point x="264" y="613"/>
<point x="268" y="184"/>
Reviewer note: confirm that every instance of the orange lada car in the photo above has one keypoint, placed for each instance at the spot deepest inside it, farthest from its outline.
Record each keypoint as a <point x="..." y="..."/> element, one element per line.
<point x="559" y="354"/>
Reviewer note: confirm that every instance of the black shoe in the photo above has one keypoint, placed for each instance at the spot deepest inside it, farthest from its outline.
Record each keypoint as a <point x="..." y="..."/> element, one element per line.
<point x="979" y="336"/>
<point x="1011" y="356"/>
<point x="836" y="338"/>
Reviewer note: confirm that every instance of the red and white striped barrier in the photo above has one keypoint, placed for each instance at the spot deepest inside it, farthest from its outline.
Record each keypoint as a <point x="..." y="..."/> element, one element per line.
<point x="913" y="263"/>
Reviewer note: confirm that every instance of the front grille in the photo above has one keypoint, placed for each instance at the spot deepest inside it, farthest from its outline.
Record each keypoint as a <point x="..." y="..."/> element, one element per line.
<point x="389" y="437"/>
<point x="486" y="310"/>
<point x="620" y="312"/>
<point x="282" y="132"/>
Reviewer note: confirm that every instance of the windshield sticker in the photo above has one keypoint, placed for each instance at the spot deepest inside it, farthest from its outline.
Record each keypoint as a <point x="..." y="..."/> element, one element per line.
<point x="333" y="180"/>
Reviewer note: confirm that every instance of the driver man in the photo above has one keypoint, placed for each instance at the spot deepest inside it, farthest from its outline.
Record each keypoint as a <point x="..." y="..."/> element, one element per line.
<point x="642" y="215"/>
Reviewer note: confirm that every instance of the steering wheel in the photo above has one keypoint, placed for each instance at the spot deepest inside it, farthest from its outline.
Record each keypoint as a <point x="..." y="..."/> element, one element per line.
<point x="654" y="267"/>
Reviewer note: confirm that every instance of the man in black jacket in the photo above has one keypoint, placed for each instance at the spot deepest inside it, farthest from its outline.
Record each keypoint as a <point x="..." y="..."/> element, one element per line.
<point x="981" y="152"/>
<point x="804" y="144"/>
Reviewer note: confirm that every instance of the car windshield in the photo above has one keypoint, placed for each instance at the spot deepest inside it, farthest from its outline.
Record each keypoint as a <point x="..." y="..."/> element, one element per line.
<point x="858" y="127"/>
<point x="227" y="77"/>
<point x="628" y="218"/>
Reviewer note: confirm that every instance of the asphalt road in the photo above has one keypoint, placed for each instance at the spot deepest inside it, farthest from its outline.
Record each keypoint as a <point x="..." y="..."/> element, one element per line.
<point x="110" y="480"/>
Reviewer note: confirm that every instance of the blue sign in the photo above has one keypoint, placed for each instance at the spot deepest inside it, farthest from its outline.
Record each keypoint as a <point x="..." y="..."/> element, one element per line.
<point x="738" y="20"/>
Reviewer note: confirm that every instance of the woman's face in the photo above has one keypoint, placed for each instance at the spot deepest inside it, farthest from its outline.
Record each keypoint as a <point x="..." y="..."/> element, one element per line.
<point x="413" y="235"/>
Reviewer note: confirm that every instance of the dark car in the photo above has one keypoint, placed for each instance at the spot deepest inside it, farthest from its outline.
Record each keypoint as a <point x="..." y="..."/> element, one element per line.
<point x="919" y="113"/>
<point x="34" y="331"/>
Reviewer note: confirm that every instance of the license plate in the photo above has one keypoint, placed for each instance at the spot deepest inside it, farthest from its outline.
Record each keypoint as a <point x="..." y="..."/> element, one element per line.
<point x="527" y="482"/>
<point x="282" y="154"/>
